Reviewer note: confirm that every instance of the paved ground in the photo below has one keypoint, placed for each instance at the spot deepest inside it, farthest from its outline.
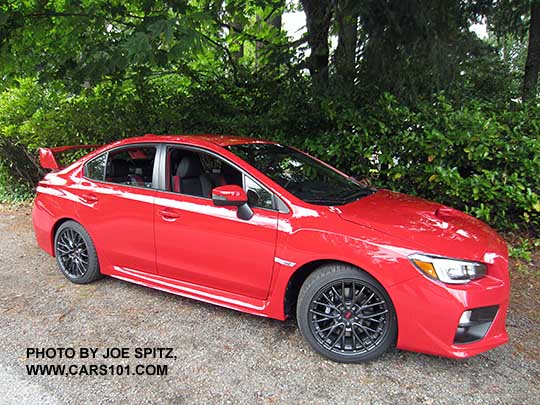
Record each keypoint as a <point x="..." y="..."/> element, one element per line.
<point x="224" y="356"/>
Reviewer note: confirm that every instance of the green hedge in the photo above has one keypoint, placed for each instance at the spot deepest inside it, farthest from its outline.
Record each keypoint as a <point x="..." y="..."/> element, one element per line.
<point x="475" y="157"/>
<point x="478" y="157"/>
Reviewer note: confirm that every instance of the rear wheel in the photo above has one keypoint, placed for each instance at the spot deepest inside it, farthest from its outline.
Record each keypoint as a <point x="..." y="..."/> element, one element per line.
<point x="76" y="254"/>
<point x="345" y="314"/>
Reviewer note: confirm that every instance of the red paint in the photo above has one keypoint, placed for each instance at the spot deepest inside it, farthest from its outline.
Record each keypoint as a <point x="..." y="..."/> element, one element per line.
<point x="230" y="194"/>
<point x="189" y="246"/>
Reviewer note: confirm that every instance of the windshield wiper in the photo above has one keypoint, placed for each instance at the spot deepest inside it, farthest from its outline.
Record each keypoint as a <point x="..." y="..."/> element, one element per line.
<point x="364" y="192"/>
<point x="329" y="201"/>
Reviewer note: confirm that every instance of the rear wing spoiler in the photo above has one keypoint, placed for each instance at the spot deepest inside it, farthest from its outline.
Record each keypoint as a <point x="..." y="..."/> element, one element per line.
<point x="47" y="158"/>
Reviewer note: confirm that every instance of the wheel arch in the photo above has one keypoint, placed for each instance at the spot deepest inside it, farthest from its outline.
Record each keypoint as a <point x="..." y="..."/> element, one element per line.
<point x="297" y="279"/>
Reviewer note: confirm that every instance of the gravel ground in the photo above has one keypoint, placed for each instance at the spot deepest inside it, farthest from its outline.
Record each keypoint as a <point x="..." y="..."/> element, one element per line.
<point x="224" y="356"/>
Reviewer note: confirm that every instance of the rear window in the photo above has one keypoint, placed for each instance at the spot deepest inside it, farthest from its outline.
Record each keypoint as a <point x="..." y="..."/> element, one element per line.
<point x="95" y="169"/>
<point x="133" y="166"/>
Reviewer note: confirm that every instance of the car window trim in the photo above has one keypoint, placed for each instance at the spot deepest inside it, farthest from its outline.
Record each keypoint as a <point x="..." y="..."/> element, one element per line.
<point x="244" y="183"/>
<point x="157" y="146"/>
<point x="163" y="180"/>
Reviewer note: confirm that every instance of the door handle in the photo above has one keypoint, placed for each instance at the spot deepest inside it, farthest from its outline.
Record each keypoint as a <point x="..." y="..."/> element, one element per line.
<point x="88" y="198"/>
<point x="168" y="214"/>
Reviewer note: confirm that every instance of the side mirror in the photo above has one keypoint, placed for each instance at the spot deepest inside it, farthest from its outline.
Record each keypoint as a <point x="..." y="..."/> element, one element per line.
<point x="232" y="195"/>
<point x="229" y="195"/>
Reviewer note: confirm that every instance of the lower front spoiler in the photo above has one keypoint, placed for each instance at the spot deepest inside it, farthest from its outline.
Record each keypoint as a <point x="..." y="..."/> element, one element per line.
<point x="459" y="351"/>
<point x="429" y="312"/>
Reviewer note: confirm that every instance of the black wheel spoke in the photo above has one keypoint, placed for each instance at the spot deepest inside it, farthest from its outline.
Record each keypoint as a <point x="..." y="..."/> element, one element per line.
<point x="322" y="320"/>
<point x="63" y="245"/>
<point x="331" y="306"/>
<point x="327" y="299"/>
<point x="371" y="305"/>
<point x="374" y="315"/>
<point x="367" y="334"/>
<point x="364" y="327"/>
<point x="328" y="328"/>
<point x="322" y="314"/>
<point x="80" y="270"/>
<point x="369" y="299"/>
<point x="356" y="296"/>
<point x="331" y="330"/>
<point x="338" y="338"/>
<point x="336" y="294"/>
<point x="359" y="339"/>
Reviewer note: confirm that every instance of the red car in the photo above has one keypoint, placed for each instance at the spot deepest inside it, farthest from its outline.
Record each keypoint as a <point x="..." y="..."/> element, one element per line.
<point x="263" y="228"/>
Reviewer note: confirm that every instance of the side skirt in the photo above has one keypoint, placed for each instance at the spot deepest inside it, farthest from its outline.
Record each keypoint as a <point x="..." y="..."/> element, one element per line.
<point x="194" y="291"/>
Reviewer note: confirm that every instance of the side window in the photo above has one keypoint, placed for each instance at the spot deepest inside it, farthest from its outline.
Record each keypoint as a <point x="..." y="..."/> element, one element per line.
<point x="197" y="173"/>
<point x="257" y="196"/>
<point x="95" y="169"/>
<point x="132" y="166"/>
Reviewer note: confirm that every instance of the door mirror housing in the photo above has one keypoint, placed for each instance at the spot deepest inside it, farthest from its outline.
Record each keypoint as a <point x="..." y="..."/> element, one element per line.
<point x="233" y="195"/>
<point x="230" y="195"/>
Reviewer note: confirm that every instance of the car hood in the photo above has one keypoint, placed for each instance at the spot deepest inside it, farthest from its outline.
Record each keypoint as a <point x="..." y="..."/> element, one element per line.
<point x="431" y="227"/>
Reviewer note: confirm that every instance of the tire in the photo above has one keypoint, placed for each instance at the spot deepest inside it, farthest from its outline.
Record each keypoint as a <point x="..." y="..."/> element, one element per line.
<point x="76" y="254"/>
<point x="347" y="328"/>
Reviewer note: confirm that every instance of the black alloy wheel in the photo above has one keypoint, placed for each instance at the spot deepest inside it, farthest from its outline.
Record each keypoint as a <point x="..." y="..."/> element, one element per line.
<point x="75" y="253"/>
<point x="345" y="314"/>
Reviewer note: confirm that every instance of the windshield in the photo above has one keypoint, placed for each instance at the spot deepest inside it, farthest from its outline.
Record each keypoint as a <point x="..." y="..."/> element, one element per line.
<point x="301" y="175"/>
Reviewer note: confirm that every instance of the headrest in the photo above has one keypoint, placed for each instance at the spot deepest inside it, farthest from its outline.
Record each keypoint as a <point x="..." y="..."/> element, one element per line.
<point x="190" y="166"/>
<point x="119" y="168"/>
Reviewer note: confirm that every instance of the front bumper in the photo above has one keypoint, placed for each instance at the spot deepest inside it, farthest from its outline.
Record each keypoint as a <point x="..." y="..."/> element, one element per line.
<point x="429" y="312"/>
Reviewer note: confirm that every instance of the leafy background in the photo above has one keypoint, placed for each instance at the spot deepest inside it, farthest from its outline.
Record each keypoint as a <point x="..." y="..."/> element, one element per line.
<point x="407" y="98"/>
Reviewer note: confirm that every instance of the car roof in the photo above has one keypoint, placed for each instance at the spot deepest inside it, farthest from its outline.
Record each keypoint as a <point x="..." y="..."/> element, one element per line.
<point x="219" y="140"/>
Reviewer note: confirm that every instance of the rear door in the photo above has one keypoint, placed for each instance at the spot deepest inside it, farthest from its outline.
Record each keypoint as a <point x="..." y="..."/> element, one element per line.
<point x="201" y="243"/>
<point x="116" y="196"/>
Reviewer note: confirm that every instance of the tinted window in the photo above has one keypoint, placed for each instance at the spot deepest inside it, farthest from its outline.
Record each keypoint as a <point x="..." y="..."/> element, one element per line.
<point x="300" y="174"/>
<point x="132" y="166"/>
<point x="196" y="173"/>
<point x="257" y="196"/>
<point x="95" y="169"/>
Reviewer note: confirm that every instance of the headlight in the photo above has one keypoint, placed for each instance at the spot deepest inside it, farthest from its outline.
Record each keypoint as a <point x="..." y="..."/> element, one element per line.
<point x="449" y="271"/>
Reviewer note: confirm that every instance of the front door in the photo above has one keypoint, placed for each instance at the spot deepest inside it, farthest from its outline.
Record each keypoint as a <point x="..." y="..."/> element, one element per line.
<point x="203" y="244"/>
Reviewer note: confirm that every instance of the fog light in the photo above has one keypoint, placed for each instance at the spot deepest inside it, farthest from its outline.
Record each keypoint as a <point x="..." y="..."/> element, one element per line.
<point x="465" y="319"/>
<point x="474" y="324"/>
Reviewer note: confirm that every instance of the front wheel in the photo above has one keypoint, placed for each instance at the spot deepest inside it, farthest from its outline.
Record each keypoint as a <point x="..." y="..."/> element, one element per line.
<point x="76" y="254"/>
<point x="345" y="314"/>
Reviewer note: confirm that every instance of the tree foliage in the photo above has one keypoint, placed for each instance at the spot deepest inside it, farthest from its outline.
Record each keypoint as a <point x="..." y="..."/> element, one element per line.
<point x="400" y="92"/>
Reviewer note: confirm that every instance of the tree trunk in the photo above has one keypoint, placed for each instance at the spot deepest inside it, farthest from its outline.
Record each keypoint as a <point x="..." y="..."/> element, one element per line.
<point x="532" y="66"/>
<point x="275" y="18"/>
<point x="318" y="17"/>
<point x="345" y="56"/>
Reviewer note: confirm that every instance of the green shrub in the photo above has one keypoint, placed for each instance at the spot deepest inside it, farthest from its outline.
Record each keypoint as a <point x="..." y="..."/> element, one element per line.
<point x="473" y="157"/>
<point x="476" y="156"/>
